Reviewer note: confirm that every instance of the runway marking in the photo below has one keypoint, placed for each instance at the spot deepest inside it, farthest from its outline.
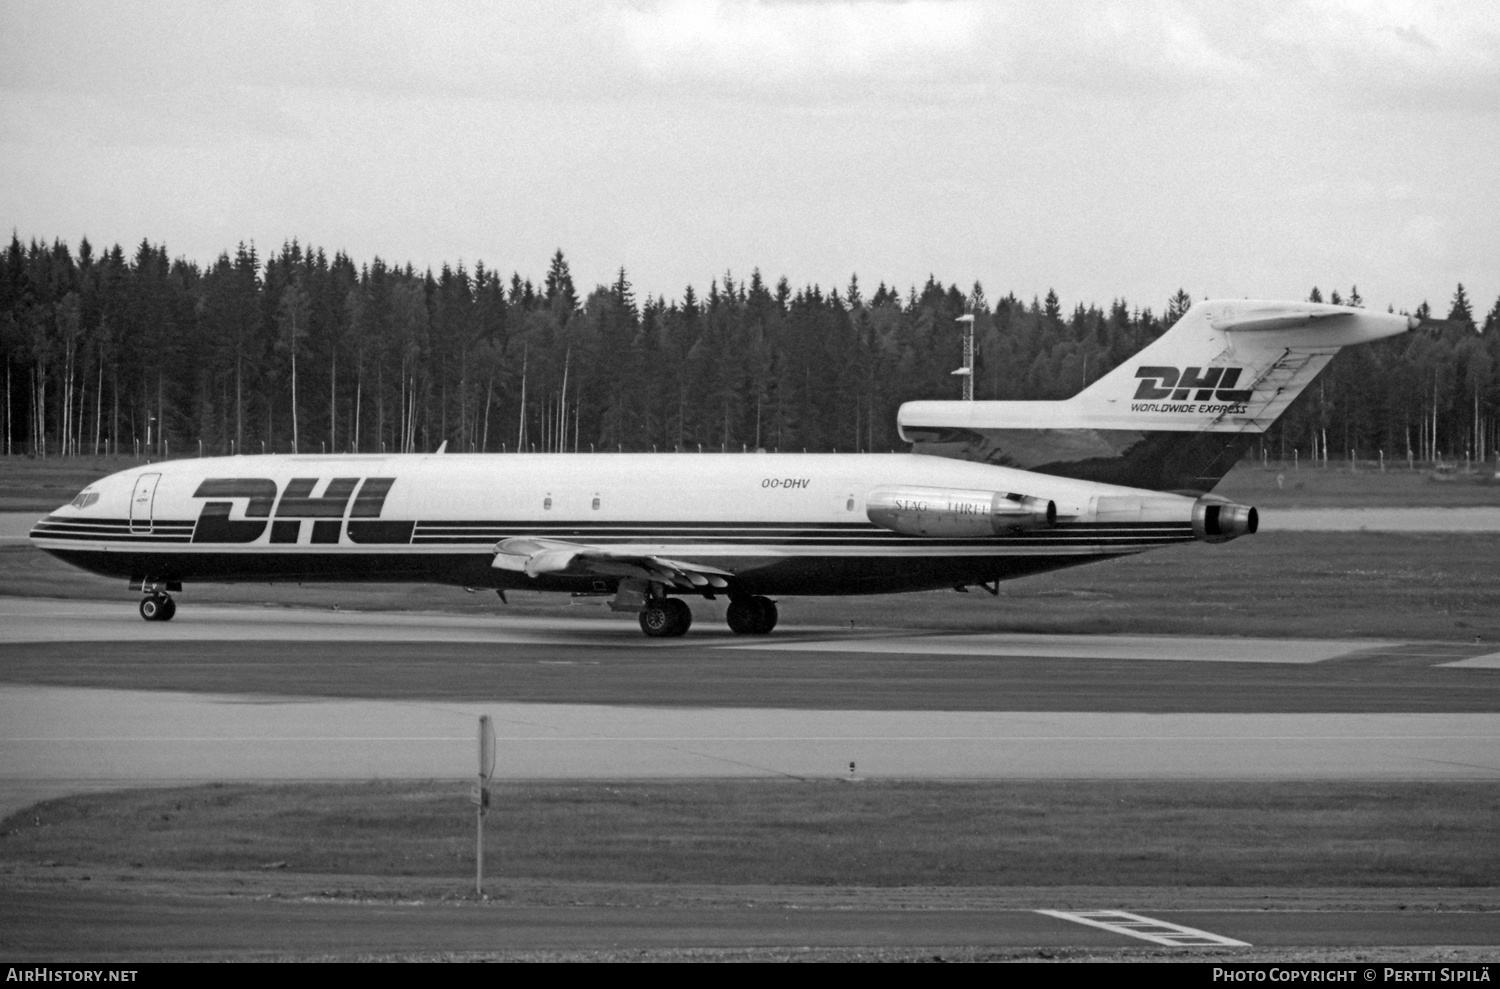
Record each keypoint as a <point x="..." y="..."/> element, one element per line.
<point x="1155" y="931"/>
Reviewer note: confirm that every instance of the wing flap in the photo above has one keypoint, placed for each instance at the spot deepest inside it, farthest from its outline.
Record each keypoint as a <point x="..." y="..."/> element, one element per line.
<point x="533" y="557"/>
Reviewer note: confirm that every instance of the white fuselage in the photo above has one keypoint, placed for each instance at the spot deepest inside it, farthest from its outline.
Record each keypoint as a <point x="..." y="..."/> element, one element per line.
<point x="781" y="523"/>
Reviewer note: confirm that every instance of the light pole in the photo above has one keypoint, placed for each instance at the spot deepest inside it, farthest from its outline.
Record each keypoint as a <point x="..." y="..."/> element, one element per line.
<point x="967" y="371"/>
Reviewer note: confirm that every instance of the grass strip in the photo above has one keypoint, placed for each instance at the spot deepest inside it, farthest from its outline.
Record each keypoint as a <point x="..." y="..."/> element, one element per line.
<point x="871" y="833"/>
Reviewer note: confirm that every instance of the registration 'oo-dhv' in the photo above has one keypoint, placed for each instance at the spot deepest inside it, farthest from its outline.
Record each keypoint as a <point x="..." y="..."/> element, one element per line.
<point x="991" y="491"/>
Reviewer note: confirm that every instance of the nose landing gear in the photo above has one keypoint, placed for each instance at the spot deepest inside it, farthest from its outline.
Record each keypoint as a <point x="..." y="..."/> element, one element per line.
<point x="158" y="608"/>
<point x="157" y="605"/>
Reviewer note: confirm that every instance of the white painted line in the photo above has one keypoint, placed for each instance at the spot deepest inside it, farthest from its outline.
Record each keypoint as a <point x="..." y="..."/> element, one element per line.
<point x="1116" y="647"/>
<point x="1155" y="931"/>
<point x="1489" y="661"/>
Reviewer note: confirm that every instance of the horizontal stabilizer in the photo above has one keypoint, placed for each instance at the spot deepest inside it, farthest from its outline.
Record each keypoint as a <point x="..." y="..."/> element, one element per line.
<point x="1177" y="415"/>
<point x="1280" y="316"/>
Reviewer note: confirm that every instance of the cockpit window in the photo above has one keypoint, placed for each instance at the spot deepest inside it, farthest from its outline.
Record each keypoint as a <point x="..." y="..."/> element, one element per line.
<point x="85" y="498"/>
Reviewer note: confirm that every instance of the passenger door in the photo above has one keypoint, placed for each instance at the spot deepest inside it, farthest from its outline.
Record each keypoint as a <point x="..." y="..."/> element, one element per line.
<point x="141" y="501"/>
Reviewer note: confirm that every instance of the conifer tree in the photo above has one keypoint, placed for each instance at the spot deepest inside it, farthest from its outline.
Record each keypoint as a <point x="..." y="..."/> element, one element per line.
<point x="560" y="293"/>
<point x="1177" y="307"/>
<point x="1053" y="310"/>
<point x="291" y="325"/>
<point x="1461" y="311"/>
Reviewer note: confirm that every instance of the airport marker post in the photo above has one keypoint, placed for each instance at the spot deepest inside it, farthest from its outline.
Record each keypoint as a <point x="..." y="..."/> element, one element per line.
<point x="480" y="796"/>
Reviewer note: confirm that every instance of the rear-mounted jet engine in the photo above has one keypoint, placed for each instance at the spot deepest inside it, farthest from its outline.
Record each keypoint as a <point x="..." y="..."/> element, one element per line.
<point x="1218" y="521"/>
<point x="956" y="513"/>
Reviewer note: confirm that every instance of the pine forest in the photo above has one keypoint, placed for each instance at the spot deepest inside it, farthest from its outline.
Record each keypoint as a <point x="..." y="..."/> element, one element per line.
<point x="150" y="356"/>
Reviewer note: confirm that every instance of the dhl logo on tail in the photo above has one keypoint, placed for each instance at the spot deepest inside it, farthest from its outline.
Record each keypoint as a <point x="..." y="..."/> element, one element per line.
<point x="1212" y="384"/>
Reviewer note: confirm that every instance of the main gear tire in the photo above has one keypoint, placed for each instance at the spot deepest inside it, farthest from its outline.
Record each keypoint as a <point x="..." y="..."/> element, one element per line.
<point x="666" y="619"/>
<point x="682" y="616"/>
<point x="743" y="616"/>
<point x="765" y="615"/>
<point x="655" y="621"/>
<point x="751" y="616"/>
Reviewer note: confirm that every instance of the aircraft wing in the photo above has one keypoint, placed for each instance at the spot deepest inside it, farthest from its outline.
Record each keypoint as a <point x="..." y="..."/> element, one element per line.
<point x="534" y="556"/>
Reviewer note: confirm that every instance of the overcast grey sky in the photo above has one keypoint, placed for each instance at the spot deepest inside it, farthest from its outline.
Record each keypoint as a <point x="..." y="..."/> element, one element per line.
<point x="1100" y="148"/>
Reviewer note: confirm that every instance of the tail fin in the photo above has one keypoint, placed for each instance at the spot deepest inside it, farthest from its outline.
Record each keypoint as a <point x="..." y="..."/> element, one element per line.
<point x="1175" y="417"/>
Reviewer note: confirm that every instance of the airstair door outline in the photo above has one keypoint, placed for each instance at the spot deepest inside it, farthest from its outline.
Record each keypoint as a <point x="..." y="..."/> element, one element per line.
<point x="141" y="501"/>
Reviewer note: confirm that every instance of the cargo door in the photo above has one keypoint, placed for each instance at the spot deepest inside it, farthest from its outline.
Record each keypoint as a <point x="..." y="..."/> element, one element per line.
<point x="141" y="501"/>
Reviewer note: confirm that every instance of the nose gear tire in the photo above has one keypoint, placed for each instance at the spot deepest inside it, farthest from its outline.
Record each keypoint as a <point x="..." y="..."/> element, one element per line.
<point x="158" y="608"/>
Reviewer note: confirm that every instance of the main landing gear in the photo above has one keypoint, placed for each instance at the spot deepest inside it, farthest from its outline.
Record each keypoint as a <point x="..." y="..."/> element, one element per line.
<point x="158" y="607"/>
<point x="667" y="618"/>
<point x="751" y="616"/>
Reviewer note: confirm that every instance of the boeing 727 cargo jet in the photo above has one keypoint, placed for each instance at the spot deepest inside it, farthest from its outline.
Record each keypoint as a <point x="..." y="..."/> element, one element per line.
<point x="993" y="491"/>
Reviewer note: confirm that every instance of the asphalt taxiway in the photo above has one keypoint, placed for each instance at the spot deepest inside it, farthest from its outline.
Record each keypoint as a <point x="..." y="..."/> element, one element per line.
<point x="93" y="698"/>
<point x="121" y="926"/>
<point x="279" y="694"/>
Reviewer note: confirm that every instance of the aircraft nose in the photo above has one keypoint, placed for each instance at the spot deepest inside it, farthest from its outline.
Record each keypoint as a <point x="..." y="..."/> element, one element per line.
<point x="86" y="509"/>
<point x="41" y="528"/>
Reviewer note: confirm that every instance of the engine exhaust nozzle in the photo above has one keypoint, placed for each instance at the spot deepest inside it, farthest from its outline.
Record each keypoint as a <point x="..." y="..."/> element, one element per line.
<point x="1218" y="521"/>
